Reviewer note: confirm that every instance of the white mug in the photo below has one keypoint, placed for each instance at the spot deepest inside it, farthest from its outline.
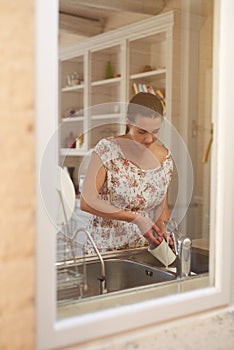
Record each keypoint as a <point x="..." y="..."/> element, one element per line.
<point x="163" y="253"/>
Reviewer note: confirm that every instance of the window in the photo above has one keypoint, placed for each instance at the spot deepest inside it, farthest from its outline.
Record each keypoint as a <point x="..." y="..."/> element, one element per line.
<point x="198" y="294"/>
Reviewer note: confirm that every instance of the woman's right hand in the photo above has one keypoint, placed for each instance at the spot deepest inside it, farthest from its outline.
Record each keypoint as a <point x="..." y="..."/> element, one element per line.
<point x="148" y="229"/>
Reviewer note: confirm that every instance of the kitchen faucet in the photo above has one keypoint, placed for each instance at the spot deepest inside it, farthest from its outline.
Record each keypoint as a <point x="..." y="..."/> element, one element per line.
<point x="102" y="278"/>
<point x="183" y="248"/>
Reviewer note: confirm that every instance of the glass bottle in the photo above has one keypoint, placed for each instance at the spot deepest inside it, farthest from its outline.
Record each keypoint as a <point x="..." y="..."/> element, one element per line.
<point x="109" y="72"/>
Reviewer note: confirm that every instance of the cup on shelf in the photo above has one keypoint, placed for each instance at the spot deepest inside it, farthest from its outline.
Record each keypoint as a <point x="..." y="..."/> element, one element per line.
<point x="79" y="140"/>
<point x="73" y="79"/>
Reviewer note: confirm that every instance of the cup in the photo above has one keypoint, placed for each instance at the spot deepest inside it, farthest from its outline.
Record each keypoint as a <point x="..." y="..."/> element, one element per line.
<point x="163" y="253"/>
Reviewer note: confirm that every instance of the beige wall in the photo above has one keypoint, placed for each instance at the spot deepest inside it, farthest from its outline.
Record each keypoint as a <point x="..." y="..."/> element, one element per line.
<point x="17" y="189"/>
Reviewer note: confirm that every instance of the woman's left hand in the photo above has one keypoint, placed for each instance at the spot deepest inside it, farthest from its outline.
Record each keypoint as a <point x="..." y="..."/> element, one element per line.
<point x="153" y="241"/>
<point x="149" y="230"/>
<point x="162" y="227"/>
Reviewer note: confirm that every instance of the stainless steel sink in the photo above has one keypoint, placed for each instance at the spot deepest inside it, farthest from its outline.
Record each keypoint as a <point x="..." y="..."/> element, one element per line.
<point x="199" y="260"/>
<point x="125" y="271"/>
<point x="124" y="274"/>
<point x="121" y="274"/>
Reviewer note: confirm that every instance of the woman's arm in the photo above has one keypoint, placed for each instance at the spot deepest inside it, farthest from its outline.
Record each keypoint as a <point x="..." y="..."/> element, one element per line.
<point x="163" y="216"/>
<point x="90" y="199"/>
<point x="92" y="203"/>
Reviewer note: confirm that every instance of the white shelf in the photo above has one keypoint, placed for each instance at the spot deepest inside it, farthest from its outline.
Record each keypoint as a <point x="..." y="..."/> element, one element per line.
<point x="72" y="152"/>
<point x="107" y="116"/>
<point x="73" y="88"/>
<point x="73" y="119"/>
<point x="148" y="74"/>
<point x="148" y="45"/>
<point x="111" y="81"/>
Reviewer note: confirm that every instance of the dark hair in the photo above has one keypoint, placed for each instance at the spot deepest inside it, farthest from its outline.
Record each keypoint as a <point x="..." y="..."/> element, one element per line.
<point x="145" y="104"/>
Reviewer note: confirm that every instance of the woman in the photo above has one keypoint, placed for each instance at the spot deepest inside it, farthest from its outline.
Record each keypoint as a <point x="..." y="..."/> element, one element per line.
<point x="126" y="184"/>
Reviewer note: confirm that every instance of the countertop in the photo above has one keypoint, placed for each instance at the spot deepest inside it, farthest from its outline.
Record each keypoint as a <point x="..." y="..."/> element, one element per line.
<point x="205" y="332"/>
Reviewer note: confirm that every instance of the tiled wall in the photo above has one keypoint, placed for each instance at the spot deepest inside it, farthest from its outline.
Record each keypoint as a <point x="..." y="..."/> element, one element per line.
<point x="17" y="189"/>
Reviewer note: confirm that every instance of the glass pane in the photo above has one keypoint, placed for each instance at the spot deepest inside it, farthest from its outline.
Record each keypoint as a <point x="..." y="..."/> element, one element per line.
<point x="168" y="55"/>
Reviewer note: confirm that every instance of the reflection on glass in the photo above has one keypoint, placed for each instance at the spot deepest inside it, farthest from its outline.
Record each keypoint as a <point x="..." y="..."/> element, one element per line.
<point x="174" y="62"/>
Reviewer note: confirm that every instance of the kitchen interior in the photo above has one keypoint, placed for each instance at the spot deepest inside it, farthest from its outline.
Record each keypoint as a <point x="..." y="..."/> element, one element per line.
<point x="25" y="311"/>
<point x="99" y="73"/>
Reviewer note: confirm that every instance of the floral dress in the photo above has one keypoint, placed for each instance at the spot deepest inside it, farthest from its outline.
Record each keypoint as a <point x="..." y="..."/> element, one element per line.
<point x="126" y="187"/>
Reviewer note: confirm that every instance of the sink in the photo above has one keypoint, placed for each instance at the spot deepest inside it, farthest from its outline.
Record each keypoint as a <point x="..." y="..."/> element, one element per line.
<point x="126" y="271"/>
<point x="121" y="274"/>
<point x="124" y="274"/>
<point x="199" y="260"/>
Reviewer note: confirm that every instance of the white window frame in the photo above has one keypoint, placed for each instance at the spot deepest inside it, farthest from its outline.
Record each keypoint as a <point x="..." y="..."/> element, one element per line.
<point x="51" y="333"/>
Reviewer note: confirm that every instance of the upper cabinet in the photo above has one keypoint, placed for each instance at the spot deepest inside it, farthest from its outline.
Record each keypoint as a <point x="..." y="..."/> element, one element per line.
<point x="98" y="76"/>
<point x="147" y="65"/>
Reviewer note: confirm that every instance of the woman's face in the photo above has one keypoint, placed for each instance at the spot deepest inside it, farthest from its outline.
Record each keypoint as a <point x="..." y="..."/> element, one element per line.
<point x="145" y="130"/>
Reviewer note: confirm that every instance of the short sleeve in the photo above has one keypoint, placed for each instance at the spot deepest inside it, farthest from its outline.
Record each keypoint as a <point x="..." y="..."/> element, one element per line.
<point x="107" y="150"/>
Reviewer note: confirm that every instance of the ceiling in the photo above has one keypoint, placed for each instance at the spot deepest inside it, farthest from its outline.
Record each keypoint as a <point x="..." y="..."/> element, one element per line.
<point x="87" y="18"/>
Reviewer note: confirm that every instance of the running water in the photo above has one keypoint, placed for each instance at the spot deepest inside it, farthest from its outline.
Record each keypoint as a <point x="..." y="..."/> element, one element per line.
<point x="168" y="247"/>
<point x="167" y="240"/>
<point x="170" y="227"/>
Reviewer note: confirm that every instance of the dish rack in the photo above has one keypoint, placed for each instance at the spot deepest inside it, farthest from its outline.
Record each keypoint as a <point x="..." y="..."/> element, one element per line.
<point x="70" y="265"/>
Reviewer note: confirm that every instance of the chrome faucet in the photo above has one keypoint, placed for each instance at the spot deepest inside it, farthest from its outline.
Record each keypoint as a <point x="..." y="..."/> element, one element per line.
<point x="183" y="249"/>
<point x="102" y="278"/>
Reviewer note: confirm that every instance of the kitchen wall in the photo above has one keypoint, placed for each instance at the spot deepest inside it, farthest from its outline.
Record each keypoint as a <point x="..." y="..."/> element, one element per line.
<point x="17" y="193"/>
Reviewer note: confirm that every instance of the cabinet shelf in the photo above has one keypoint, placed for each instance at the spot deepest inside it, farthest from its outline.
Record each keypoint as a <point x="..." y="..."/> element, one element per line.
<point x="72" y="152"/>
<point x="111" y="81"/>
<point x="73" y="88"/>
<point x="148" y="74"/>
<point x="73" y="119"/>
<point x="107" y="116"/>
<point x="101" y="102"/>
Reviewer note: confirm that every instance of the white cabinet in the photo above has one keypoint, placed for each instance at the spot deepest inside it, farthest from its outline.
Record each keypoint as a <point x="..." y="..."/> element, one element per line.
<point x="98" y="76"/>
